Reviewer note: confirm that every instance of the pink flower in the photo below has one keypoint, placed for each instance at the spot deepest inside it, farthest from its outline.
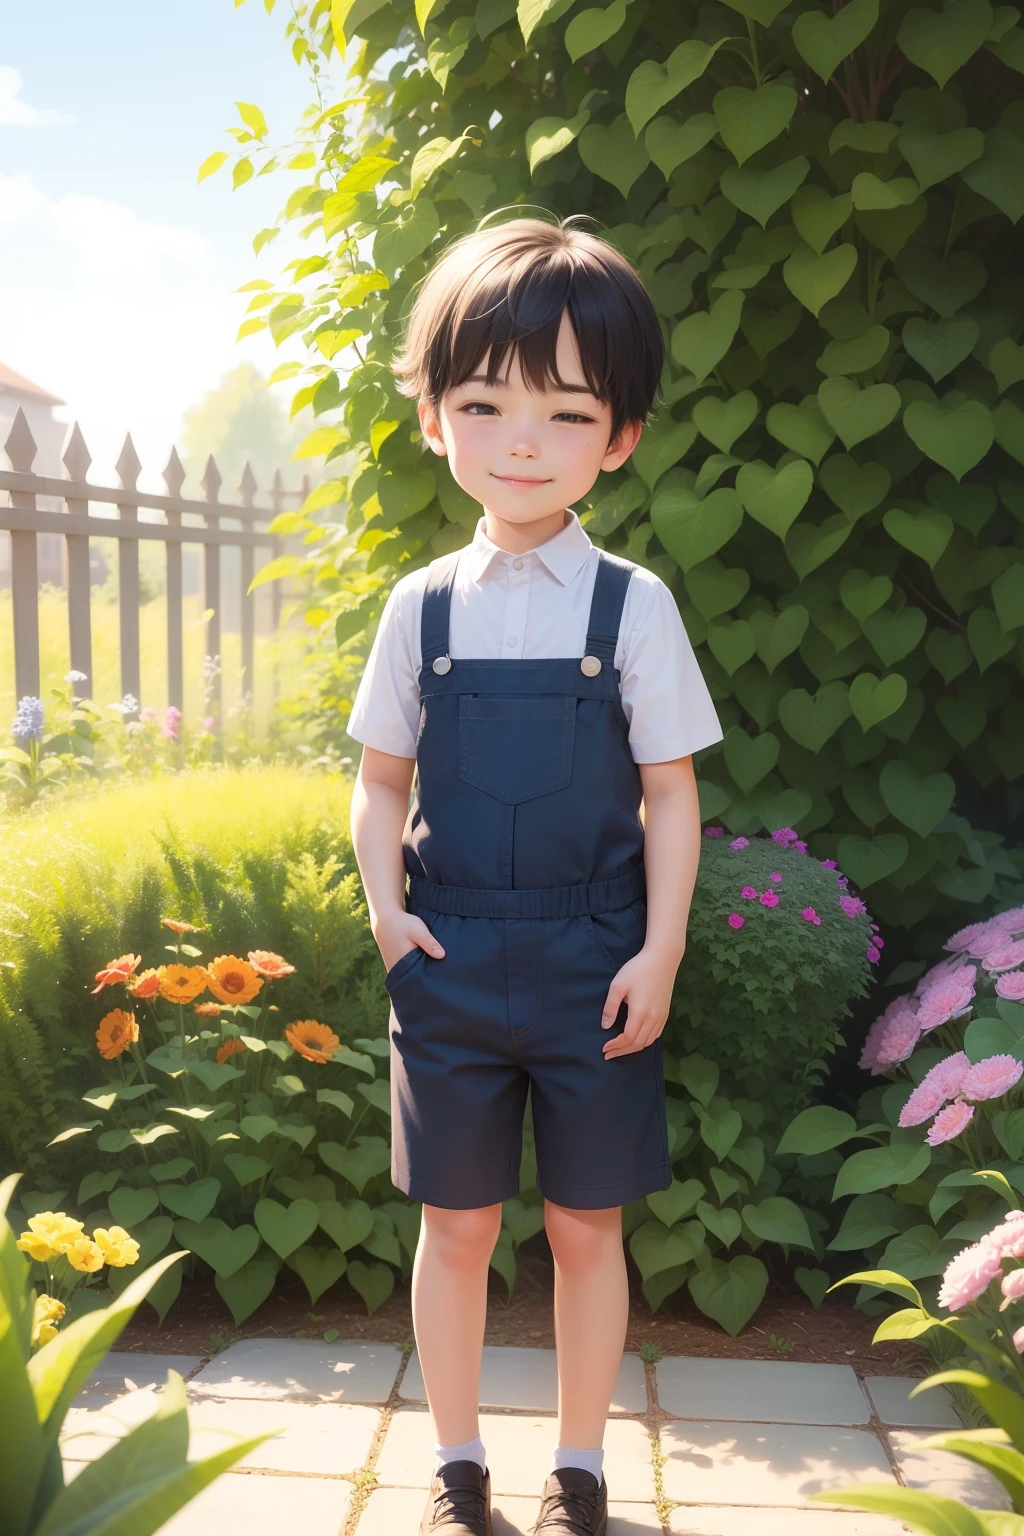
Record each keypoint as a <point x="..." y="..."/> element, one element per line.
<point x="992" y="936"/>
<point x="209" y="723"/>
<point x="714" y="831"/>
<point x="769" y="899"/>
<point x="738" y="843"/>
<point x="149" y="714"/>
<point x="899" y="1037"/>
<point x="991" y="1078"/>
<point x="948" y="998"/>
<point x="877" y="941"/>
<point x="965" y="937"/>
<point x="172" y="720"/>
<point x="1012" y="921"/>
<point x="1008" y="1236"/>
<point x="749" y="892"/>
<point x="873" y="954"/>
<point x="1004" y="957"/>
<point x="1018" y="1341"/>
<point x="810" y="916"/>
<point x="949" y="1122"/>
<point x="947" y="1076"/>
<point x="925" y="1101"/>
<point x="776" y="878"/>
<point x="842" y="880"/>
<point x="852" y="905"/>
<point x="735" y="921"/>
<point x="799" y="846"/>
<point x="828" y="863"/>
<point x="869" y="1053"/>
<point x="1011" y="986"/>
<point x="785" y="837"/>
<point x="1013" y="1285"/>
<point x="934" y="974"/>
<point x="969" y="1275"/>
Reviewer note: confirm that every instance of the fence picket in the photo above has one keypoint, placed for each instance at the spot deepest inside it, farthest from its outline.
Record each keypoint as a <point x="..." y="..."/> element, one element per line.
<point x="128" y="468"/>
<point x="21" y="451"/>
<point x="211" y="483"/>
<point x="174" y="479"/>
<point x="247" y="491"/>
<point x="76" y="459"/>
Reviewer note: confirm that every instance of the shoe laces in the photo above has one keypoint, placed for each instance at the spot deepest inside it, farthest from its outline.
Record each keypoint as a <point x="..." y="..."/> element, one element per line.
<point x="459" y="1503"/>
<point x="570" y="1509"/>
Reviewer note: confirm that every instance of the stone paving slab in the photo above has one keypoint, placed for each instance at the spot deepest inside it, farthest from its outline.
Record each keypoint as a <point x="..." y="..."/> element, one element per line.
<point x="121" y="1367"/>
<point x="397" y="1512"/>
<point x="89" y="1432"/>
<point x="320" y="1438"/>
<point x="528" y="1378"/>
<point x="766" y="1464"/>
<point x="780" y="1522"/>
<point x="518" y="1452"/>
<point x="942" y="1472"/>
<point x="250" y="1504"/>
<point x="300" y="1370"/>
<point x="767" y="1391"/>
<point x="929" y="1410"/>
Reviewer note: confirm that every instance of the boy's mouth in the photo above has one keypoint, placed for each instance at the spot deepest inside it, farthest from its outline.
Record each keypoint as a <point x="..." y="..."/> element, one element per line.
<point x="517" y="480"/>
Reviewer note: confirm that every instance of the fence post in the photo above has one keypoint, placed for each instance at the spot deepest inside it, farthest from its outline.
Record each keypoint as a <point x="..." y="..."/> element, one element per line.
<point x="174" y="479"/>
<point x="21" y="451"/>
<point x="77" y="458"/>
<point x="211" y="483"/>
<point x="277" y="495"/>
<point x="128" y="468"/>
<point x="247" y="491"/>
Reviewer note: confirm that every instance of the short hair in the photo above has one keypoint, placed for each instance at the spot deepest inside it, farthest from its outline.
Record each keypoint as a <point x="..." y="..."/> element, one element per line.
<point x="502" y="289"/>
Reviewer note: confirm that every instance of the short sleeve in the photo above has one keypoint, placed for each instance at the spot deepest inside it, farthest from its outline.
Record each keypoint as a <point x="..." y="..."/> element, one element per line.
<point x="386" y="711"/>
<point x="664" y="695"/>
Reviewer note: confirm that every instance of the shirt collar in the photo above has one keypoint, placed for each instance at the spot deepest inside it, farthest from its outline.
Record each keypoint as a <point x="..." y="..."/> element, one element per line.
<point x="564" y="555"/>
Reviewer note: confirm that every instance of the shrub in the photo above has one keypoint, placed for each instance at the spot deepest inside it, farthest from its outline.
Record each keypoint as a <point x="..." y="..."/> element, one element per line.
<point x="777" y="945"/>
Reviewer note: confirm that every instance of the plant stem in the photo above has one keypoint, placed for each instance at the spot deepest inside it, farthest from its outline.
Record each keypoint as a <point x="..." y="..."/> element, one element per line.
<point x="755" y="63"/>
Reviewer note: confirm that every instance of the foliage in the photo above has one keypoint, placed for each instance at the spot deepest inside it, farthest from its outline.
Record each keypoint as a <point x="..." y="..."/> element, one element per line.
<point x="67" y="1263"/>
<point x="725" y="1195"/>
<point x="825" y="210"/>
<point x="240" y="421"/>
<point x="954" y="1050"/>
<point x="144" y="1478"/>
<point x="776" y="947"/>
<point x="259" y="852"/>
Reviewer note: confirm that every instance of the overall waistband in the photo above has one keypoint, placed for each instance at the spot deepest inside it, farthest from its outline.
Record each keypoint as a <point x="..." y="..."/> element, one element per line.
<point x="553" y="901"/>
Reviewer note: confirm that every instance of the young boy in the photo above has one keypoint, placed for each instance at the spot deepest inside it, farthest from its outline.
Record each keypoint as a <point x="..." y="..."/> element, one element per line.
<point x="541" y="690"/>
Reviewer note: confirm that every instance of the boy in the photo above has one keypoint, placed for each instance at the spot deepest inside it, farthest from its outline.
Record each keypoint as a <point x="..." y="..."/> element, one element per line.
<point x="540" y="689"/>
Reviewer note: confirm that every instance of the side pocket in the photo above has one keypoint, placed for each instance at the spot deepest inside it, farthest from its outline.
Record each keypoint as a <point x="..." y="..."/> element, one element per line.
<point x="590" y="928"/>
<point x="402" y="967"/>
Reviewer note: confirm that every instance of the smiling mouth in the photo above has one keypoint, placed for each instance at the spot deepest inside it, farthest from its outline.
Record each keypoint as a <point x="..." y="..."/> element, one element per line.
<point x="520" y="480"/>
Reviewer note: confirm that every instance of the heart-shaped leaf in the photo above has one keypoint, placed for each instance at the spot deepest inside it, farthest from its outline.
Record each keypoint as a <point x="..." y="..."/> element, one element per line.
<point x="778" y="1220"/>
<point x="672" y="1204"/>
<point x="940" y="42"/>
<point x="999" y="174"/>
<point x="856" y="489"/>
<point x="614" y="155"/>
<point x="359" y="1163"/>
<point x="725" y="1224"/>
<point x="801" y="428"/>
<point x="810" y="719"/>
<point x="868" y="860"/>
<point x="318" y="1268"/>
<point x="193" y="1201"/>
<point x="1008" y="597"/>
<point x="128" y="1206"/>
<point x="949" y="654"/>
<point x="919" y="802"/>
<point x="224" y="1248"/>
<point x="249" y="1287"/>
<point x="775" y="497"/>
<point x="670" y="143"/>
<point x="873" y="699"/>
<point x="1006" y="363"/>
<point x="749" y="758"/>
<point x="809" y="545"/>
<point x="750" y="119"/>
<point x="347" y="1222"/>
<point x="701" y="341"/>
<point x="656" y="1248"/>
<point x="713" y="589"/>
<point x="924" y="532"/>
<point x="862" y="595"/>
<point x="404" y="492"/>
<point x="935" y="156"/>
<point x="731" y="642"/>
<point x="895" y="635"/>
<point x="870" y="192"/>
<point x="762" y="193"/>
<point x="814" y="279"/>
<point x="858" y="355"/>
<point x="730" y="1293"/>
<point x="986" y="639"/>
<point x="589" y="29"/>
<point x="258" y="1127"/>
<point x="285" y="1228"/>
<point x="691" y="529"/>
<point x="777" y="637"/>
<point x="548" y="136"/>
<point x="818" y="216"/>
<point x="374" y="1282"/>
<point x="1008" y="421"/>
<point x="823" y="41"/>
<point x="945" y="285"/>
<point x="956" y="436"/>
<point x="857" y="413"/>
<point x="940" y="346"/>
<point x="247" y="1169"/>
<point x="651" y="84"/>
<point x="661" y="446"/>
<point x="963" y="718"/>
<point x="723" y="421"/>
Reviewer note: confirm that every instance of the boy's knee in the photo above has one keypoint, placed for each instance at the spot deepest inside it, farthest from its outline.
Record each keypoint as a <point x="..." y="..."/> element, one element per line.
<point x="581" y="1240"/>
<point x="462" y="1240"/>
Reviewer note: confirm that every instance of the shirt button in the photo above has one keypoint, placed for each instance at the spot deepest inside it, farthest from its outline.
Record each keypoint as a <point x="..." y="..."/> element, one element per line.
<point x="512" y="640"/>
<point x="517" y="565"/>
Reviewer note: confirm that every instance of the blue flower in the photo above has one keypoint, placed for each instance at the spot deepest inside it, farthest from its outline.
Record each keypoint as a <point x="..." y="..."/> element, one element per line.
<point x="28" y="722"/>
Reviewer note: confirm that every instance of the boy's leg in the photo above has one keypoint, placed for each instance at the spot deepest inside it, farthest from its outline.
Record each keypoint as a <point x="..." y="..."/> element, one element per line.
<point x="591" y="1316"/>
<point x="449" y="1309"/>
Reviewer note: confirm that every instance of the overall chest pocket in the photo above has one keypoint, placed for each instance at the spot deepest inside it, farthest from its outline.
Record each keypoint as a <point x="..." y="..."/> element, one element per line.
<point x="516" y="748"/>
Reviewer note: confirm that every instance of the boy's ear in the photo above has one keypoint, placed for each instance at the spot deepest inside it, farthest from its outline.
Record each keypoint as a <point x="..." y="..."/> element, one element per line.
<point x="430" y="426"/>
<point x="621" y="446"/>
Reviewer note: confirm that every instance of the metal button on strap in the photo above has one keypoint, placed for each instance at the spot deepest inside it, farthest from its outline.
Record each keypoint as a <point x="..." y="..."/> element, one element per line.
<point x="442" y="664"/>
<point x="590" y="666"/>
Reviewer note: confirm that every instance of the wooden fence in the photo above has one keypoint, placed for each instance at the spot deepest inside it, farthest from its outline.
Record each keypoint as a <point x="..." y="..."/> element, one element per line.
<point x="211" y="523"/>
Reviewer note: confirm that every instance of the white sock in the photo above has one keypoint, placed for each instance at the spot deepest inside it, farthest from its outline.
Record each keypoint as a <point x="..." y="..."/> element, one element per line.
<point x="588" y="1461"/>
<point x="471" y="1450"/>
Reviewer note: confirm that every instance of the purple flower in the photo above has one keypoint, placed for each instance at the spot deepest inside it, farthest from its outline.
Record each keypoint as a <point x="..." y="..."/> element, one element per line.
<point x="842" y="880"/>
<point x="784" y="836"/>
<point x="873" y="954"/>
<point x="714" y="831"/>
<point x="735" y="921"/>
<point x="769" y="899"/>
<point x="776" y="878"/>
<point x="877" y="941"/>
<point x="810" y="916"/>
<point x="28" y="722"/>
<point x="799" y="846"/>
<point x="738" y="843"/>
<point x="852" y="905"/>
<point x="749" y="893"/>
<point x="828" y="864"/>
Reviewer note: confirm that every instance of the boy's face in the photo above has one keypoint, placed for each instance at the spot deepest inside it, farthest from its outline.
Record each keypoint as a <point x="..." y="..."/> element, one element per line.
<point x="525" y="455"/>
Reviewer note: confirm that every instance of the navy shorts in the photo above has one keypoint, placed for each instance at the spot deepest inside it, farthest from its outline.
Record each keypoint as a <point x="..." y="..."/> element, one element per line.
<point x="515" y="1007"/>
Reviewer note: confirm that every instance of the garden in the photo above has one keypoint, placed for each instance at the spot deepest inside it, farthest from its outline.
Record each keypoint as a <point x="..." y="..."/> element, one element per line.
<point x="824" y="204"/>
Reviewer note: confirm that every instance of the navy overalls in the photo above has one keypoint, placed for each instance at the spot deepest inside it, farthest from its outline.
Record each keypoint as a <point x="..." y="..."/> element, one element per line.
<point x="524" y="848"/>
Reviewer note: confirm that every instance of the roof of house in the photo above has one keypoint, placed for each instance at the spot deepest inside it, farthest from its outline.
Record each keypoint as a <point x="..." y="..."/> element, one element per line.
<point x="12" y="383"/>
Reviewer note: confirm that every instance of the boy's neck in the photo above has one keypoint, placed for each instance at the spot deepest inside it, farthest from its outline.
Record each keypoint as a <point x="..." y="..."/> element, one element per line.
<point x="519" y="538"/>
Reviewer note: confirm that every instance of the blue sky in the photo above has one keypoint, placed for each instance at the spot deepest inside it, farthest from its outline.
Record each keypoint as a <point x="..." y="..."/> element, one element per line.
<point x="116" y="269"/>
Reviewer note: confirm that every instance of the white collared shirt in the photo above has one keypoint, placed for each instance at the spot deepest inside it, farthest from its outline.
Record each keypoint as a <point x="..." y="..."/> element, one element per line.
<point x="536" y="606"/>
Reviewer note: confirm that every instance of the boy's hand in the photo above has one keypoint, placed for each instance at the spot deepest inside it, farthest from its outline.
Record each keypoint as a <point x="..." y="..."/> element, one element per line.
<point x="400" y="932"/>
<point x="645" y="985"/>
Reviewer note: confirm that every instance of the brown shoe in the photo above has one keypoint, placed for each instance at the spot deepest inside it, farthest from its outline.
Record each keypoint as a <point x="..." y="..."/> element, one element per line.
<point x="573" y="1504"/>
<point x="460" y="1501"/>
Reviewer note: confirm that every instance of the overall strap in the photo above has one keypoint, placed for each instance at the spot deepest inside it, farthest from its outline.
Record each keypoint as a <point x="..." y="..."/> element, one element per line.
<point x="437" y="602"/>
<point x="613" y="578"/>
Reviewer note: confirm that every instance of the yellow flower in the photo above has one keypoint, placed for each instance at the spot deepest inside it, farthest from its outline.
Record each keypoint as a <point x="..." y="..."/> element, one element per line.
<point x="117" y="1031"/>
<point x="117" y="1248"/>
<point x="232" y="980"/>
<point x="314" y="1041"/>
<point x="84" y="1255"/>
<point x="181" y="983"/>
<point x="50" y="1234"/>
<point x="46" y="1314"/>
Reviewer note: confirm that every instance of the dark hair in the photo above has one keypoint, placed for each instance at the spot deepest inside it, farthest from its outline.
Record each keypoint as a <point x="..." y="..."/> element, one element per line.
<point x="502" y="290"/>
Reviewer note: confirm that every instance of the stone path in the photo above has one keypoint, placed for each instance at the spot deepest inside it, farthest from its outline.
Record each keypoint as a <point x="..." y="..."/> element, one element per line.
<point x="693" y="1447"/>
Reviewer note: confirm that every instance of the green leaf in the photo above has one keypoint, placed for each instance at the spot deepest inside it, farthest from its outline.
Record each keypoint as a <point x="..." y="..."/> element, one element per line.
<point x="750" y="119"/>
<point x="589" y="29"/>
<point x="870" y="192"/>
<point x="777" y="637"/>
<point x="933" y="157"/>
<point x="128" y="1206"/>
<point x="247" y="1169"/>
<point x="613" y="153"/>
<point x="723" y="421"/>
<point x="858" y="355"/>
<point x="656" y="1248"/>
<point x="924" y="533"/>
<point x="817" y="1129"/>
<point x="995" y="1037"/>
<point x="701" y="340"/>
<point x="348" y="1222"/>
<point x="775" y="497"/>
<point x="818" y="216"/>
<point x="999" y="174"/>
<point x="1003" y="1406"/>
<point x="318" y="1268"/>
<point x="692" y="529"/>
<point x="652" y="85"/>
<point x="1008" y="596"/>
<point x="749" y="758"/>
<point x="869" y="1219"/>
<point x="895" y="635"/>
<point x="864" y="138"/>
<point x="763" y="12"/>
<point x="855" y="488"/>
<point x="813" y="1282"/>
<point x="811" y="719"/>
<point x="699" y="1077"/>
<point x="194" y="1201"/>
<point x="226" y="1249"/>
<point x="883" y="1280"/>
<point x="713" y="589"/>
<point x="940" y="42"/>
<point x="1006" y="363"/>
<point x="857" y="413"/>
<point x="548" y="136"/>
<point x="374" y="1282"/>
<point x="662" y="445"/>
<point x="253" y="119"/>
<point x="814" y="279"/>
<point x="957" y="436"/>
<point x="719" y="1127"/>
<point x="778" y="1220"/>
<point x="880" y="1167"/>
<point x="824" y="41"/>
<point x="430" y="157"/>
<point x="730" y="1292"/>
<point x="940" y="346"/>
<point x="248" y="1288"/>
<point x="360" y="1163"/>
<point x="725" y="1224"/>
<point x="672" y="1204"/>
<point x="406" y="237"/>
<point x="868" y="860"/>
<point x="920" y="803"/>
<point x="762" y="193"/>
<point x="945" y="285"/>
<point x="285" y="1228"/>
<point x="670" y="143"/>
<point x="928" y="1512"/>
<point x="801" y="428"/>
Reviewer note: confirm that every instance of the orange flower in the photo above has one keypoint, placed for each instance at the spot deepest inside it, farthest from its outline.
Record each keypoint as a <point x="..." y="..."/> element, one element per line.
<point x="176" y="927"/>
<point x="315" y="1041"/>
<point x="268" y="964"/>
<point x="116" y="970"/>
<point x="230" y="1048"/>
<point x="207" y="1010"/>
<point x="232" y="980"/>
<point x="146" y="984"/>
<point x="117" y="1031"/>
<point x="181" y="983"/>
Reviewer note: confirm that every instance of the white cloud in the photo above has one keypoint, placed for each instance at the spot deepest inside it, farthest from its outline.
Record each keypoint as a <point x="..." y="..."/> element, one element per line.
<point x="20" y="200"/>
<point x="15" y="113"/>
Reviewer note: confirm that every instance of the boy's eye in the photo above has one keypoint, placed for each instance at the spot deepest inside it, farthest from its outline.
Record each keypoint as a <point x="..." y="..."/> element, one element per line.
<point x="573" y="416"/>
<point x="479" y="405"/>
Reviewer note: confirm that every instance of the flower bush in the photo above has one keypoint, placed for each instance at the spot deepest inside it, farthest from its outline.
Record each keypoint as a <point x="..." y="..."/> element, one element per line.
<point x="777" y="946"/>
<point x="945" y="1133"/>
<point x="67" y="1259"/>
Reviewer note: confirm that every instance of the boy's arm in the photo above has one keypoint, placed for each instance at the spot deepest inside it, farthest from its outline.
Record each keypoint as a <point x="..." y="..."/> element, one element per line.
<point x="380" y="804"/>
<point x="671" y="853"/>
